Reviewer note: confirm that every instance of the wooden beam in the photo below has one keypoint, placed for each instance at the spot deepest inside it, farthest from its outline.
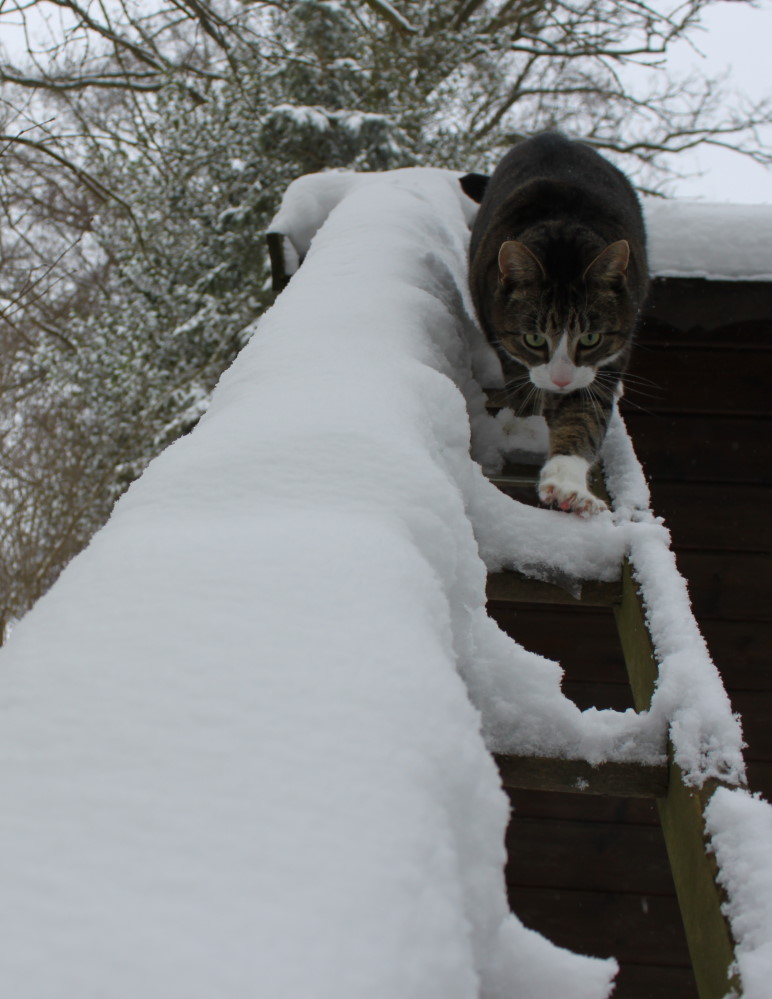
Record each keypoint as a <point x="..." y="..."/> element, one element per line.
<point x="514" y="587"/>
<point x="624" y="780"/>
<point x="516" y="474"/>
<point x="700" y="897"/>
<point x="681" y="813"/>
<point x="641" y="663"/>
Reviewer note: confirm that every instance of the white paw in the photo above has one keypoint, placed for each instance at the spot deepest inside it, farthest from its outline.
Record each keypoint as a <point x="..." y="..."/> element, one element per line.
<point x="563" y="483"/>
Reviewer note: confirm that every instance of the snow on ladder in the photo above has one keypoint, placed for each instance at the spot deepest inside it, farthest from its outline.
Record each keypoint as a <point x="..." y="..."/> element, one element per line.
<point x="681" y="807"/>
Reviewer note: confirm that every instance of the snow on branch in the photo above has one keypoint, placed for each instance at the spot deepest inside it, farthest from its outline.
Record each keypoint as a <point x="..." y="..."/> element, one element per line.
<point x="389" y="13"/>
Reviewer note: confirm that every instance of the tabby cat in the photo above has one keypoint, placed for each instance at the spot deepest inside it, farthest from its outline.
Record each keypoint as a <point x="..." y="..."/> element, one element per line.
<point x="558" y="274"/>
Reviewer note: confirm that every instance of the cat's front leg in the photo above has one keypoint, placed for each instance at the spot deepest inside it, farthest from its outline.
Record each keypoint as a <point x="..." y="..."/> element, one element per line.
<point x="563" y="483"/>
<point x="577" y="426"/>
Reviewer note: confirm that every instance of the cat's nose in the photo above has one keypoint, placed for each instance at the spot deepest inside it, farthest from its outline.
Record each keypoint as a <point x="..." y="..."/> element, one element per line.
<point x="561" y="381"/>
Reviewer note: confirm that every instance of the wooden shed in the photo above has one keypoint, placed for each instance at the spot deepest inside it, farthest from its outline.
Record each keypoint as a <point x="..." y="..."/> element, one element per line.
<point x="589" y="872"/>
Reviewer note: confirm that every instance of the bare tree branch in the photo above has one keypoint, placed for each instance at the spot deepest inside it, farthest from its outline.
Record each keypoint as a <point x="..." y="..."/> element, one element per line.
<point x="390" y="14"/>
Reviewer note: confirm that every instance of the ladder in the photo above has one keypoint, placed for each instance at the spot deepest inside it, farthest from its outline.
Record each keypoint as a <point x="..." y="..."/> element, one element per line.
<point x="680" y="807"/>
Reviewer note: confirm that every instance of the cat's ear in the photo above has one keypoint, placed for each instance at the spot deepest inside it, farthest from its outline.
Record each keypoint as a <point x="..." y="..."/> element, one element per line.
<point x="611" y="264"/>
<point x="474" y="185"/>
<point x="518" y="265"/>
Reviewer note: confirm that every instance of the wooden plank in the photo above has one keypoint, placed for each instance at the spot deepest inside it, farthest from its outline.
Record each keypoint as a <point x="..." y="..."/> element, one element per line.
<point x="629" y="780"/>
<point x="514" y="587"/>
<point x="560" y="806"/>
<point x="731" y="586"/>
<point x="702" y="448"/>
<point x="587" y="856"/>
<point x="741" y="651"/>
<point x="662" y="379"/>
<point x="634" y="928"/>
<point x="696" y="307"/>
<point x="681" y="814"/>
<point x="715" y="516"/>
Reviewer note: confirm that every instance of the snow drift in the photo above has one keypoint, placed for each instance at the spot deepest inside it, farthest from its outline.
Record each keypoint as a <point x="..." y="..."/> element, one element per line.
<point x="237" y="754"/>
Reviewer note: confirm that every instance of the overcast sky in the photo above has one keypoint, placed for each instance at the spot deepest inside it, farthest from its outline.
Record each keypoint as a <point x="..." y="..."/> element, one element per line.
<point x="737" y="39"/>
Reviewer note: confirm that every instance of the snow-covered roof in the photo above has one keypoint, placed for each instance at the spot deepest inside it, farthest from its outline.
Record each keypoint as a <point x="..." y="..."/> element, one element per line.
<point x="686" y="239"/>
<point x="690" y="239"/>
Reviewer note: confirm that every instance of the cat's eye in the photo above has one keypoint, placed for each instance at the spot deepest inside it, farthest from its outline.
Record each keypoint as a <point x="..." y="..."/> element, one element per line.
<point x="589" y="339"/>
<point x="535" y="340"/>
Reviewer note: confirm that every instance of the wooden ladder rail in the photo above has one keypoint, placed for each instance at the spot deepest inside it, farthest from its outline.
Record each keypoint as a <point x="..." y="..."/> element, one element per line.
<point x="681" y="808"/>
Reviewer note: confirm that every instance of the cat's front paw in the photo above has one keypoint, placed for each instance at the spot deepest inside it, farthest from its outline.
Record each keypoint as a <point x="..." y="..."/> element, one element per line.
<point x="563" y="483"/>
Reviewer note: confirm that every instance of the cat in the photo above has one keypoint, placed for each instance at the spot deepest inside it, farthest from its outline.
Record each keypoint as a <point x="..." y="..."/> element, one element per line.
<point x="558" y="274"/>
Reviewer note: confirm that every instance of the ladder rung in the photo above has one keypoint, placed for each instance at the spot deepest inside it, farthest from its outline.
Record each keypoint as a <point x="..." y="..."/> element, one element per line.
<point x="624" y="780"/>
<point x="517" y="475"/>
<point x="514" y="480"/>
<point x="514" y="587"/>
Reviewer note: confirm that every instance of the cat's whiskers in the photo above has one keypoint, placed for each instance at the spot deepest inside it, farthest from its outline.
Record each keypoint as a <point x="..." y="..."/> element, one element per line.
<point x="607" y="379"/>
<point x="604" y="385"/>
<point x="635" y="405"/>
<point x="589" y="394"/>
<point x="518" y="380"/>
<point x="532" y="402"/>
<point x="640" y="380"/>
<point x="523" y="404"/>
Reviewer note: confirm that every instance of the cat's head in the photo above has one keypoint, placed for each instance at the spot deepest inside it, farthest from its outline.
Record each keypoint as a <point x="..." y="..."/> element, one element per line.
<point x="562" y="319"/>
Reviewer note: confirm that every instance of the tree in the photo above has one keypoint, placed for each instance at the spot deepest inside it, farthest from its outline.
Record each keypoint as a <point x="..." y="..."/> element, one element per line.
<point x="145" y="151"/>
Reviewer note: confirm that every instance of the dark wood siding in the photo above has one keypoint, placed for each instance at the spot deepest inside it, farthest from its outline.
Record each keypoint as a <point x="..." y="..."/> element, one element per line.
<point x="592" y="873"/>
<point x="706" y="445"/>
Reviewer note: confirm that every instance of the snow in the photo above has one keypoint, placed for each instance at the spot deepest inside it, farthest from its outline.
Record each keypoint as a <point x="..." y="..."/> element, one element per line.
<point x="739" y="825"/>
<point x="705" y="735"/>
<point x="686" y="239"/>
<point x="321" y="118"/>
<point x="238" y="757"/>
<point x="690" y="239"/>
<point x="245" y="738"/>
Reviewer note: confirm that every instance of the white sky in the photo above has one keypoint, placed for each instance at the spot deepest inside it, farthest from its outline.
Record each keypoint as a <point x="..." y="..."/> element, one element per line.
<point x="736" y="39"/>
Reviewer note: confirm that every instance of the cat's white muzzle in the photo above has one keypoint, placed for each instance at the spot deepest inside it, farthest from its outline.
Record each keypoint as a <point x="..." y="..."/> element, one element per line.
<point x="561" y="376"/>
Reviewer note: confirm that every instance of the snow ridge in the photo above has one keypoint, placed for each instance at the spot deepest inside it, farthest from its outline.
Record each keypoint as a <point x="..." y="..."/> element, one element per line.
<point x="740" y="828"/>
<point x="238" y="754"/>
